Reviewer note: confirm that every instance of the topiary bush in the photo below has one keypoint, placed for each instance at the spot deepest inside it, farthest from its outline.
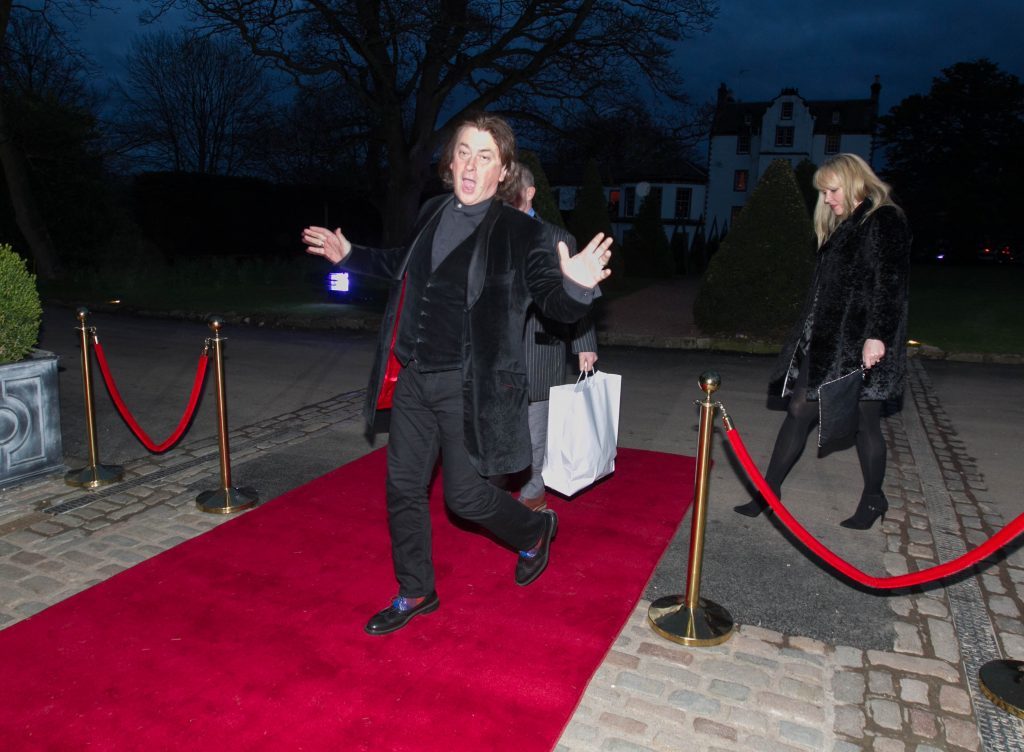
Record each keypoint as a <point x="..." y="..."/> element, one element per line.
<point x="756" y="281"/>
<point x="20" y="310"/>
<point x="544" y="201"/>
<point x="645" y="247"/>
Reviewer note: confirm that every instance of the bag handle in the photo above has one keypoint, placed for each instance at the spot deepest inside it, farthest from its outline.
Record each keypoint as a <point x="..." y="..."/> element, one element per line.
<point x="585" y="375"/>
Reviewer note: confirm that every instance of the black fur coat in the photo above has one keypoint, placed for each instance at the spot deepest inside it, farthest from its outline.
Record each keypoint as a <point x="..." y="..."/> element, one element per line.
<point x="859" y="291"/>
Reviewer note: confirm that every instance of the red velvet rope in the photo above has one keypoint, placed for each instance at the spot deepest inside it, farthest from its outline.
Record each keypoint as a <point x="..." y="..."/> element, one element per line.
<point x="930" y="574"/>
<point x="115" y="395"/>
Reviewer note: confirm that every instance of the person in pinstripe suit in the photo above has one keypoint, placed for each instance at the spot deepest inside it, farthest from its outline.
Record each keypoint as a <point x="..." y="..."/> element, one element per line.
<point x="544" y="344"/>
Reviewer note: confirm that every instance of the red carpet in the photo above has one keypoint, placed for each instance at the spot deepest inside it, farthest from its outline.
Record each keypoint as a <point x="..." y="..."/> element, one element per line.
<point x="250" y="637"/>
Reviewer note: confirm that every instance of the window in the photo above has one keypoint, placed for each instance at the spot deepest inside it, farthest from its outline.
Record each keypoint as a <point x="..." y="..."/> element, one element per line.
<point x="613" y="202"/>
<point x="787" y="111"/>
<point x="784" y="135"/>
<point x="684" y="198"/>
<point x="832" y="143"/>
<point x="739" y="180"/>
<point x="743" y="143"/>
<point x="835" y="117"/>
<point x="630" y="208"/>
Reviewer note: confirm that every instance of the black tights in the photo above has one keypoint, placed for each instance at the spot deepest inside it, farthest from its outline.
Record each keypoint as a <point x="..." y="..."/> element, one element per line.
<point x="802" y="416"/>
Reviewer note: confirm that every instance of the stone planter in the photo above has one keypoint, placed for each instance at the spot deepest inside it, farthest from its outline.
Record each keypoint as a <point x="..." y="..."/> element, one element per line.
<point x="30" y="440"/>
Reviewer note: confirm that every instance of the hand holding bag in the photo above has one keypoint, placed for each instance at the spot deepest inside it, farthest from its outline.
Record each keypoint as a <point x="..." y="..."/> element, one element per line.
<point x="838" y="414"/>
<point x="583" y="429"/>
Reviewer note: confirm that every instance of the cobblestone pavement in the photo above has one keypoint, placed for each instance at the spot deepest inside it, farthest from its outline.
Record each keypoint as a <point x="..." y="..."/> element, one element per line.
<point x="760" y="690"/>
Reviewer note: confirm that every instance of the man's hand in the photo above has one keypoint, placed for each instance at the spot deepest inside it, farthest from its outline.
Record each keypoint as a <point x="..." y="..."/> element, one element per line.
<point x="320" y="241"/>
<point x="587" y="268"/>
<point x="587" y="360"/>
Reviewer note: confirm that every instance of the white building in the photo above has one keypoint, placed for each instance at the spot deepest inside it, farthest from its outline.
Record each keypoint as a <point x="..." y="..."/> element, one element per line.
<point x="747" y="136"/>
<point x="680" y="191"/>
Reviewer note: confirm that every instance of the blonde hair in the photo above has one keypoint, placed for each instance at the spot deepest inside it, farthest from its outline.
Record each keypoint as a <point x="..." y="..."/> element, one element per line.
<point x="859" y="183"/>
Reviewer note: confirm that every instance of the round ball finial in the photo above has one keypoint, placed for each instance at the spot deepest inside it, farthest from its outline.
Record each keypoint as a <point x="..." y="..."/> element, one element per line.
<point x="215" y="323"/>
<point x="710" y="381"/>
<point x="81" y="313"/>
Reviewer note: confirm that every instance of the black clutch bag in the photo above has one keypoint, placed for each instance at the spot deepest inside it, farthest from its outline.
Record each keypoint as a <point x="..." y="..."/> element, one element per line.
<point x="837" y="407"/>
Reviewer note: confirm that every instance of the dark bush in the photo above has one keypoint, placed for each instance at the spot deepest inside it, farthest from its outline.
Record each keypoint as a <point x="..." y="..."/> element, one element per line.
<point x="757" y="280"/>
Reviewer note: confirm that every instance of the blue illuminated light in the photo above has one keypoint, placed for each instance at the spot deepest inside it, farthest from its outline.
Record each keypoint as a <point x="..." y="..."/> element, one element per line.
<point x="338" y="282"/>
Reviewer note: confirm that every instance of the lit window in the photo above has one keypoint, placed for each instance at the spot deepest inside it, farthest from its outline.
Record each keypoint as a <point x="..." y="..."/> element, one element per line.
<point x="784" y="135"/>
<point x="739" y="180"/>
<point x="787" y="110"/>
<point x="684" y="198"/>
<point x="613" y="202"/>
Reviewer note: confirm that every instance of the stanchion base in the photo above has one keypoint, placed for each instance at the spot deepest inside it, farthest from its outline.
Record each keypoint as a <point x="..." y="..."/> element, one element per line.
<point x="707" y="624"/>
<point x="95" y="476"/>
<point x="226" y="500"/>
<point x="1002" y="682"/>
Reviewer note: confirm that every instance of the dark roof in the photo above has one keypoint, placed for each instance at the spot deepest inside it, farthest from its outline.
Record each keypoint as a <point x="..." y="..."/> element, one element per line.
<point x="855" y="116"/>
<point x="678" y="172"/>
<point x="731" y="117"/>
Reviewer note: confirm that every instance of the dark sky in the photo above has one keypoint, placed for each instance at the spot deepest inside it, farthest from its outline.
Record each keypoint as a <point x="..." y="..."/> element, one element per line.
<point x="757" y="47"/>
<point x="833" y="50"/>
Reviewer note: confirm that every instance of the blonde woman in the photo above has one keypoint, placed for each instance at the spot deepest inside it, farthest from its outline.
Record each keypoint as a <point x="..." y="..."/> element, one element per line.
<point x="855" y="317"/>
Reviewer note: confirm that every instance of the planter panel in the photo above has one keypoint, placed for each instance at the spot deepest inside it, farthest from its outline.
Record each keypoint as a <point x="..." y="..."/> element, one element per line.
<point x="30" y="440"/>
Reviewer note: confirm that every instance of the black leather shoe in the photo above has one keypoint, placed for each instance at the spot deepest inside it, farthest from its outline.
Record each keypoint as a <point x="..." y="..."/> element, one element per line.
<point x="529" y="568"/>
<point x="399" y="613"/>
<point x="869" y="509"/>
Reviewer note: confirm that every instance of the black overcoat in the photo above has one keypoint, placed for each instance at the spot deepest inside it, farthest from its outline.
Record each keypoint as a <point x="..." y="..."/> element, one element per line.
<point x="511" y="266"/>
<point x="859" y="291"/>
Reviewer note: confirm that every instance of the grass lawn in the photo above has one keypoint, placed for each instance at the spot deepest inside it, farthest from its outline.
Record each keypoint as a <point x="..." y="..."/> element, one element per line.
<point x="968" y="308"/>
<point x="252" y="288"/>
<point x="977" y="309"/>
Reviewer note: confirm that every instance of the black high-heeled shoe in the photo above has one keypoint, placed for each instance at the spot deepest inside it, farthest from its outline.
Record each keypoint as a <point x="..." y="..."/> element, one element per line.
<point x="753" y="508"/>
<point x="870" y="508"/>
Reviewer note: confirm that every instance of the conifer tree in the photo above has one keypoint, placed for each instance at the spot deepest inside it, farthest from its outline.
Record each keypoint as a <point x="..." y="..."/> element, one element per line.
<point x="805" y="179"/>
<point x="645" y="246"/>
<point x="543" y="202"/>
<point x="591" y="216"/>
<point x="756" y="282"/>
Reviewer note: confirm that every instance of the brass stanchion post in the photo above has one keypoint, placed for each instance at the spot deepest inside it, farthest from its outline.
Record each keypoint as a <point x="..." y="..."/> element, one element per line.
<point x="690" y="619"/>
<point x="1002" y="682"/>
<point x="95" y="474"/>
<point x="225" y="499"/>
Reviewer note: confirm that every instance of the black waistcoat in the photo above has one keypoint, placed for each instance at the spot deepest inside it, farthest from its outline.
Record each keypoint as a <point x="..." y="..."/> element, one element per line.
<point x="430" y="330"/>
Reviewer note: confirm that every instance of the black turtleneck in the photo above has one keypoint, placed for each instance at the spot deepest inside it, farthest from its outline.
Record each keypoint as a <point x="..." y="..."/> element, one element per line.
<point x="457" y="222"/>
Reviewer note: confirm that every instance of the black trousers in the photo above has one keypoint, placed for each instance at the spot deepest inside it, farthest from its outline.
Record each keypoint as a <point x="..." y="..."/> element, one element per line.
<point x="426" y="418"/>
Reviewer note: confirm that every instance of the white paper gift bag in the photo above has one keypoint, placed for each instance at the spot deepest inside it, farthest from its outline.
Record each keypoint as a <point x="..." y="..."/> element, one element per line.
<point x="583" y="429"/>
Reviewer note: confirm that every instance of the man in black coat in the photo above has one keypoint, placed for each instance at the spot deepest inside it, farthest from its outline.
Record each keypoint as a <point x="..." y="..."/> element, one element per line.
<point x="450" y="358"/>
